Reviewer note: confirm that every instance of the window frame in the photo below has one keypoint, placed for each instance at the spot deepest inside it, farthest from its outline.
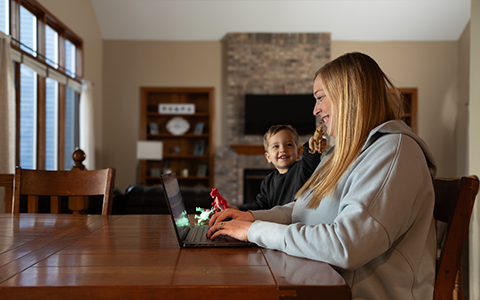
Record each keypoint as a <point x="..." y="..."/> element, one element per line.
<point x="44" y="17"/>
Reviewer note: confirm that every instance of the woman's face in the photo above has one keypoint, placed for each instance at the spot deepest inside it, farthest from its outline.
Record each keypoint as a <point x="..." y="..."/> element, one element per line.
<point x="323" y="106"/>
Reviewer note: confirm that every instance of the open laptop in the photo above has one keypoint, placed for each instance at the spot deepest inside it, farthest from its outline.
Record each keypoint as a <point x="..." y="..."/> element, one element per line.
<point x="190" y="236"/>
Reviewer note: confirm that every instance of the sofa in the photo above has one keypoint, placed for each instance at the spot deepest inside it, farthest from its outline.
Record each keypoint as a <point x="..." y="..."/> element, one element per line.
<point x="137" y="199"/>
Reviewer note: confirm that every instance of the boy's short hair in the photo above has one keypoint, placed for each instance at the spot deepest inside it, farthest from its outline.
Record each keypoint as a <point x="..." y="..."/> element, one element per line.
<point x="276" y="128"/>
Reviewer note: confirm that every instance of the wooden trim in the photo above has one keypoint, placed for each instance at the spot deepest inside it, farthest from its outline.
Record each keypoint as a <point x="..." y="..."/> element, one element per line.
<point x="17" y="114"/>
<point x="41" y="122"/>
<point x="61" y="126"/>
<point x="61" y="52"/>
<point x="14" y="20"/>
<point x="41" y="48"/>
<point x="143" y="110"/>
<point x="79" y="61"/>
<point x="413" y="109"/>
<point x="248" y="149"/>
<point x="211" y="145"/>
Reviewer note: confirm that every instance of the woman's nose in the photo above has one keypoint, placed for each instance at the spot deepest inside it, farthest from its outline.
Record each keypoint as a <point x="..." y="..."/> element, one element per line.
<point x="316" y="109"/>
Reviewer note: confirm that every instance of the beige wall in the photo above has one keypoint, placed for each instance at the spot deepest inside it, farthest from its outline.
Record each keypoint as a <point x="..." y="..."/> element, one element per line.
<point x="80" y="17"/>
<point x="474" y="145"/>
<point x="129" y="65"/>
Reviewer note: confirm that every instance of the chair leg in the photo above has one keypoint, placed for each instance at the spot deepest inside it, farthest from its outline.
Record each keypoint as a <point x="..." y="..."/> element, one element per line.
<point x="8" y="200"/>
<point x="54" y="204"/>
<point x="32" y="204"/>
<point x="457" y="290"/>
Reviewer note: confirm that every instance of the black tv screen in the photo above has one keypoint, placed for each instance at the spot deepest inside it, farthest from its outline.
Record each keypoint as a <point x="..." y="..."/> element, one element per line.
<point x="263" y="111"/>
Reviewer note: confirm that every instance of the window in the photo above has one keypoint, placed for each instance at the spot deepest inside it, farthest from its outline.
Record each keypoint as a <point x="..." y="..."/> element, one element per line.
<point x="51" y="46"/>
<point x="28" y="120"/>
<point x="71" y="131"/>
<point x="4" y="21"/>
<point x="28" y="31"/>
<point x="69" y="58"/>
<point x="47" y="54"/>
<point x="51" y="125"/>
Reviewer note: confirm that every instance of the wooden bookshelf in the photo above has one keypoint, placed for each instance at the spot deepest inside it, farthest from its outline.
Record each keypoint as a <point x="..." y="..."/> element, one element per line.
<point x="189" y="151"/>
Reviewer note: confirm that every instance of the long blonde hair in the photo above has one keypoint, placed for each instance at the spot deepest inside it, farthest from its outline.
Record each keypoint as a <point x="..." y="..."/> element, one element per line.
<point x="362" y="98"/>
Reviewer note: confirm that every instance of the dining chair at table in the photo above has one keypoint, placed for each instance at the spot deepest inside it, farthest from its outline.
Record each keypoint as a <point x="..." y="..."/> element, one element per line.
<point x="454" y="199"/>
<point x="6" y="181"/>
<point x="55" y="184"/>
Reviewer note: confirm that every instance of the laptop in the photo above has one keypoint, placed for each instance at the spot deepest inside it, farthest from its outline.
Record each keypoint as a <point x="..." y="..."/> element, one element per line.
<point x="189" y="236"/>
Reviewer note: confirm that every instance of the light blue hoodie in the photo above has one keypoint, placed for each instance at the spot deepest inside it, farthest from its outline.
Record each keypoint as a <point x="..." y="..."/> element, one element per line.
<point x="377" y="228"/>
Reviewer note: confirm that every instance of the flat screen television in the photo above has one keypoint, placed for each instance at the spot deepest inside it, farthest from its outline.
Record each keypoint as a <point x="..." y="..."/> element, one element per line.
<point x="263" y="111"/>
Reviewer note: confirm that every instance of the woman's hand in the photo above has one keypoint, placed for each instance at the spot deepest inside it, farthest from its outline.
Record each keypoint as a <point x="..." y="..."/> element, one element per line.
<point x="233" y="207"/>
<point x="233" y="228"/>
<point x="237" y="225"/>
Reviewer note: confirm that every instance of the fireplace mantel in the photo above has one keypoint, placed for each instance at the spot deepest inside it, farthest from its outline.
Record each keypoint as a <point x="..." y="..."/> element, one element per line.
<point x="244" y="149"/>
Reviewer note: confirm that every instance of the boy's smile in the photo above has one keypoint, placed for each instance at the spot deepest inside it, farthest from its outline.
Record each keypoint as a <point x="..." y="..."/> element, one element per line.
<point x="282" y="151"/>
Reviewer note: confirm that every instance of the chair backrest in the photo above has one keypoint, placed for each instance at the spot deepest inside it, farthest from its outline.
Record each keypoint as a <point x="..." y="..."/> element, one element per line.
<point x="55" y="184"/>
<point x="6" y="181"/>
<point x="454" y="199"/>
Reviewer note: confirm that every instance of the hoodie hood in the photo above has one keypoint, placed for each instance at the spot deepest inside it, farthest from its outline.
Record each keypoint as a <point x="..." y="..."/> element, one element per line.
<point x="399" y="127"/>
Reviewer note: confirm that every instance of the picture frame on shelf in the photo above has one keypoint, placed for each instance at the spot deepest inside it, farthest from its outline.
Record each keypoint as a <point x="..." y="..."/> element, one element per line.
<point x="202" y="170"/>
<point x="199" y="147"/>
<point x="155" y="172"/>
<point x="198" y="128"/>
<point x="176" y="108"/>
<point x="153" y="128"/>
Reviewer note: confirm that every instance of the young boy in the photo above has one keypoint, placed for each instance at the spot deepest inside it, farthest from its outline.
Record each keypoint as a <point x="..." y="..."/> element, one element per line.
<point x="282" y="150"/>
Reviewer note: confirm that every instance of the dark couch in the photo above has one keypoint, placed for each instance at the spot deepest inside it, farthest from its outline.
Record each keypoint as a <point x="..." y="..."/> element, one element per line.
<point x="139" y="199"/>
<point x="136" y="199"/>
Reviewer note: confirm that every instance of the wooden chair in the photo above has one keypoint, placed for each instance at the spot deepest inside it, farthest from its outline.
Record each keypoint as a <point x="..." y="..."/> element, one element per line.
<point x="6" y="181"/>
<point x="74" y="183"/>
<point x="454" y="199"/>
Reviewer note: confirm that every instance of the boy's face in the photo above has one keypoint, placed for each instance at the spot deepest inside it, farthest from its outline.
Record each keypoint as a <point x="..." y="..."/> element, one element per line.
<point x="282" y="151"/>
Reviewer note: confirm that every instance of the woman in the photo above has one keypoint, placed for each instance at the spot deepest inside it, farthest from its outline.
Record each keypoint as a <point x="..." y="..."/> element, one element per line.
<point x="368" y="208"/>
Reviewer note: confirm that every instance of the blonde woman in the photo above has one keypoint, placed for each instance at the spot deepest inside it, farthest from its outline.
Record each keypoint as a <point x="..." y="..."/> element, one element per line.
<point x="368" y="208"/>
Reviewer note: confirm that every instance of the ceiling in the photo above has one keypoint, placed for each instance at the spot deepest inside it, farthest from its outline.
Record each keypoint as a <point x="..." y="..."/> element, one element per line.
<point x="346" y="20"/>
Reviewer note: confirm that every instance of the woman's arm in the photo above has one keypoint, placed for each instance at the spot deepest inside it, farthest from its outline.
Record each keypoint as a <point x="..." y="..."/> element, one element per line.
<point x="380" y="198"/>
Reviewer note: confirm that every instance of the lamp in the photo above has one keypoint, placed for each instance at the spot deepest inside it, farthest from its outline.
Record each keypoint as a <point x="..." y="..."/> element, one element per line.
<point x="151" y="150"/>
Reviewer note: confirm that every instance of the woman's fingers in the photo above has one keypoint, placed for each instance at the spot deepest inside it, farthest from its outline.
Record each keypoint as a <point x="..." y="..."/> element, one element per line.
<point x="233" y="228"/>
<point x="231" y="214"/>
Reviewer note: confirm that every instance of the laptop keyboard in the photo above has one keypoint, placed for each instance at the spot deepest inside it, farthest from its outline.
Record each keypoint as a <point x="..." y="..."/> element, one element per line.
<point x="199" y="233"/>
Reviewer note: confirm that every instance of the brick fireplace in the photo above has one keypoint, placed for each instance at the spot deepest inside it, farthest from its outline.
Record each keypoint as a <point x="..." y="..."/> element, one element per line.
<point x="262" y="63"/>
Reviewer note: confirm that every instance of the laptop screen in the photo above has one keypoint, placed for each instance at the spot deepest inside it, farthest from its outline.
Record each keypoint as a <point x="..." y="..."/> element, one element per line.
<point x="174" y="197"/>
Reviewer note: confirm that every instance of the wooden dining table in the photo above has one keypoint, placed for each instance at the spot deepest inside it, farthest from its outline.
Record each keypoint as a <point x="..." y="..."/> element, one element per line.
<point x="47" y="256"/>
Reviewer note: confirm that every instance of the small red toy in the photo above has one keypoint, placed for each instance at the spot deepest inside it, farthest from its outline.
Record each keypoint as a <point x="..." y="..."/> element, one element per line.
<point x="219" y="203"/>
